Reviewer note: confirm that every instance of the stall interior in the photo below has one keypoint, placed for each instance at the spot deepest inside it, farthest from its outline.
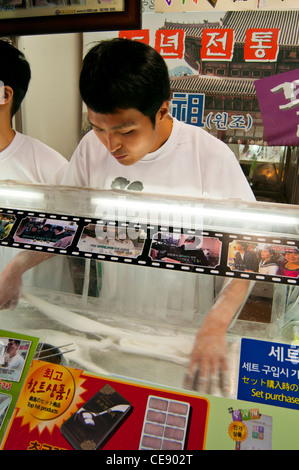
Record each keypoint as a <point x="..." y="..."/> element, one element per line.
<point x="272" y="172"/>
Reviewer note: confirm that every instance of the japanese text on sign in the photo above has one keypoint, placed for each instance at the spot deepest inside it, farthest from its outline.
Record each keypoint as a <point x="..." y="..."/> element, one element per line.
<point x="269" y="373"/>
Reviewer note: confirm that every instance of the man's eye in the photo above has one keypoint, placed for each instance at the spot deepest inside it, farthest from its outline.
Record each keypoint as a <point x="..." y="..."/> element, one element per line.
<point x="128" y="132"/>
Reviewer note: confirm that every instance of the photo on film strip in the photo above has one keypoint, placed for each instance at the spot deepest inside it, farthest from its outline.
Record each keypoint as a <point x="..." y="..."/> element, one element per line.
<point x="187" y="249"/>
<point x="113" y="240"/>
<point x="6" y="224"/>
<point x="267" y="259"/>
<point x="43" y="231"/>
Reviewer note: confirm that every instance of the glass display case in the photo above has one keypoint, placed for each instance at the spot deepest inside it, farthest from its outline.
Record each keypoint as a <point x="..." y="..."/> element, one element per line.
<point x="131" y="277"/>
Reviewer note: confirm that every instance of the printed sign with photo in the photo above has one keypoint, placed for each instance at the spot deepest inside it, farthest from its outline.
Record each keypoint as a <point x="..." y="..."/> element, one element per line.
<point x="19" y="17"/>
<point x="13" y="355"/>
<point x="6" y="224"/>
<point x="186" y="249"/>
<point x="111" y="240"/>
<point x="46" y="232"/>
<point x="264" y="258"/>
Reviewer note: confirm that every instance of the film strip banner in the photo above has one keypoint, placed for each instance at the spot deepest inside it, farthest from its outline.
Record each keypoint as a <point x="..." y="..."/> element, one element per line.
<point x="203" y="251"/>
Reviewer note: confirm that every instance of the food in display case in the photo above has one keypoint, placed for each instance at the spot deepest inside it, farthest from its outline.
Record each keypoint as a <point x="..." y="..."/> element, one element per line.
<point x="145" y="272"/>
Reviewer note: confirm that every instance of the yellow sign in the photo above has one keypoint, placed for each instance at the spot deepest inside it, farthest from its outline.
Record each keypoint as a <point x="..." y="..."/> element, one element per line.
<point x="51" y="393"/>
<point x="237" y="431"/>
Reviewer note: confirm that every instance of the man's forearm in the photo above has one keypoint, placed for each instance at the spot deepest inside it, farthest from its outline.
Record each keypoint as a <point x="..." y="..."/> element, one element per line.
<point x="229" y="301"/>
<point x="26" y="260"/>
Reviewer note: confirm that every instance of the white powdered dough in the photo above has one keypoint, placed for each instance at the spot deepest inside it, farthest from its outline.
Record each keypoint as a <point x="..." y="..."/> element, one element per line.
<point x="80" y="355"/>
<point x="176" y="348"/>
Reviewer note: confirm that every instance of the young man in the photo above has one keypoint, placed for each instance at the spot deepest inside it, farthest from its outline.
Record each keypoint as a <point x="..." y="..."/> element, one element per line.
<point x="24" y="159"/>
<point x="125" y="86"/>
<point x="14" y="362"/>
<point x="134" y="140"/>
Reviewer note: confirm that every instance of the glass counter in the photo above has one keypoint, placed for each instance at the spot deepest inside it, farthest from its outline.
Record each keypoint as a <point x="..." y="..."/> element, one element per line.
<point x="132" y="276"/>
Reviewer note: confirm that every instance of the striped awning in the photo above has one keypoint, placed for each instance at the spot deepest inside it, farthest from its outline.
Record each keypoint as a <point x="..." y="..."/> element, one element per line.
<point x="213" y="85"/>
<point x="286" y="20"/>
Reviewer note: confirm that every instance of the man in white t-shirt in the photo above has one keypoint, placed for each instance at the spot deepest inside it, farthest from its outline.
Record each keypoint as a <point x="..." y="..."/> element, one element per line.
<point x="13" y="362"/>
<point x="135" y="144"/>
<point x="24" y="159"/>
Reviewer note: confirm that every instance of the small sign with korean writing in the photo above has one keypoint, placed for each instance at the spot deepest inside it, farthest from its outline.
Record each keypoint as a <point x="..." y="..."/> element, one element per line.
<point x="141" y="35"/>
<point x="278" y="98"/>
<point x="261" y="45"/>
<point x="217" y="44"/>
<point x="188" y="107"/>
<point x="269" y="373"/>
<point x="169" y="43"/>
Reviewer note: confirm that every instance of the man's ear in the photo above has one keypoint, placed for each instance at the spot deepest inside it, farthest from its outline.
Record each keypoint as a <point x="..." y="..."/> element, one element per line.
<point x="6" y="94"/>
<point x="163" y="111"/>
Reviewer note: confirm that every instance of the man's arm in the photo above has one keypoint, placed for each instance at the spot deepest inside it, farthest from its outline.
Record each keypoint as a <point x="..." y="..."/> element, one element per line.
<point x="11" y="276"/>
<point x="209" y="355"/>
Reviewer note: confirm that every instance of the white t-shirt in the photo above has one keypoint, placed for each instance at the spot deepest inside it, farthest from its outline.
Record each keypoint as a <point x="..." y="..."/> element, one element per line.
<point x="14" y="367"/>
<point x="27" y="160"/>
<point x="190" y="163"/>
<point x="16" y="362"/>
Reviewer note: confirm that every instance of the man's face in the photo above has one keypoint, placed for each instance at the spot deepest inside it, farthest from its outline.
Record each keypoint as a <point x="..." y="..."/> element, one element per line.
<point x="11" y="347"/>
<point x="238" y="247"/>
<point x="128" y="134"/>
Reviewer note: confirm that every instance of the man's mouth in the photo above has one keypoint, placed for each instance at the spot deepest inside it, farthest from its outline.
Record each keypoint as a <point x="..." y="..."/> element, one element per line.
<point x="119" y="157"/>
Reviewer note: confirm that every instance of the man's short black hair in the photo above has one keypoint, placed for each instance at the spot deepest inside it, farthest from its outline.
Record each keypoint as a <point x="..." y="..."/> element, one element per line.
<point x="124" y="74"/>
<point x="14" y="72"/>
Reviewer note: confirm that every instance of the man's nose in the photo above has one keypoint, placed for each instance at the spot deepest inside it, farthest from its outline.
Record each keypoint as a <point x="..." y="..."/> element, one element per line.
<point x="113" y="142"/>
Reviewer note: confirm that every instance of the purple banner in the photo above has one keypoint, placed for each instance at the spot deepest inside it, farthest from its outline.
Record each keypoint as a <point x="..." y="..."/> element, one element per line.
<point x="278" y="98"/>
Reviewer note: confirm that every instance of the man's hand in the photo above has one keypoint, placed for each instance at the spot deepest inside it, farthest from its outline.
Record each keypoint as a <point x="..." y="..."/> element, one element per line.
<point x="209" y="369"/>
<point x="11" y="276"/>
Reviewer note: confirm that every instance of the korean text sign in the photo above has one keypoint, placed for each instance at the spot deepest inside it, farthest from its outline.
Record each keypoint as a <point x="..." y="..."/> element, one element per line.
<point x="269" y="373"/>
<point x="217" y="44"/>
<point x="261" y="45"/>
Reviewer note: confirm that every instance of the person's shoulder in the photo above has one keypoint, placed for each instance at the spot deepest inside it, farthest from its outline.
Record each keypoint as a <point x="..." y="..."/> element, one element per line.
<point x="89" y="139"/>
<point x="199" y="132"/>
<point x="38" y="147"/>
<point x="207" y="142"/>
<point x="90" y="145"/>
